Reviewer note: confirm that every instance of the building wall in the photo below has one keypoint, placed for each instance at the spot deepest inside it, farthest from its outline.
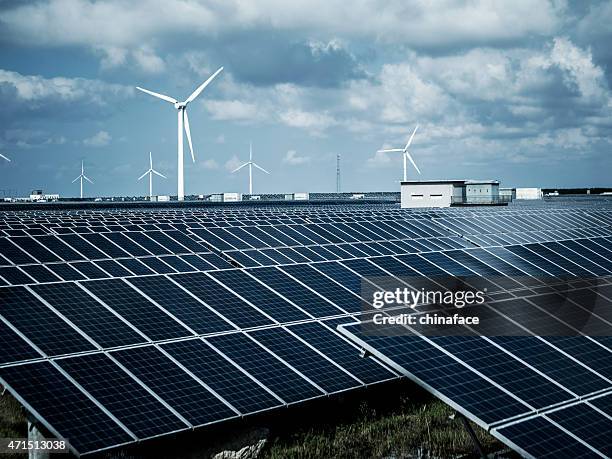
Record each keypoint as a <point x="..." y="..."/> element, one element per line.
<point x="482" y="191"/>
<point x="528" y="193"/>
<point x="427" y="195"/>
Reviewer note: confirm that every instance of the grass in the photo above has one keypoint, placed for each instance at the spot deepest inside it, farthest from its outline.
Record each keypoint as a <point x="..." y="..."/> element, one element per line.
<point x="388" y="421"/>
<point x="12" y="421"/>
<point x="413" y="429"/>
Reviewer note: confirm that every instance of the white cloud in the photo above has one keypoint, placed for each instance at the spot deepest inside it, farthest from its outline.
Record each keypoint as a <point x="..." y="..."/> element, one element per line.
<point x="233" y="163"/>
<point x="315" y="123"/>
<point x="380" y="159"/>
<point x="578" y="67"/>
<point x="235" y="110"/>
<point x="99" y="139"/>
<point x="35" y="88"/>
<point x="209" y="164"/>
<point x="111" y="56"/>
<point x="292" y="158"/>
<point x="82" y="22"/>
<point x="148" y="61"/>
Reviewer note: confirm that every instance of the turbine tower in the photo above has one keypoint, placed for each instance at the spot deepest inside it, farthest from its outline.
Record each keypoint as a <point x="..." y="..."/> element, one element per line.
<point x="183" y="119"/>
<point x="338" y="173"/>
<point x="4" y="157"/>
<point x="151" y="171"/>
<point x="250" y="163"/>
<point x="405" y="154"/>
<point x="82" y="176"/>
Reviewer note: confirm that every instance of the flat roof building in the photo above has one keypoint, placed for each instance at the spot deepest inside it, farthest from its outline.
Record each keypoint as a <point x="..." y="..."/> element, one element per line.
<point x="446" y="193"/>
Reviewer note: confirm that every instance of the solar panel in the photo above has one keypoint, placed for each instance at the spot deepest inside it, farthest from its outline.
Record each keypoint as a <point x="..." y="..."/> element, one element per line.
<point x="138" y="409"/>
<point x="170" y="335"/>
<point x="64" y="408"/>
<point x="226" y="379"/>
<point x="152" y="320"/>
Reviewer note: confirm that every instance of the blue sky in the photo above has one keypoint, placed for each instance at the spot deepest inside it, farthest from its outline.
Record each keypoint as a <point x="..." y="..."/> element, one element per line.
<point x="517" y="91"/>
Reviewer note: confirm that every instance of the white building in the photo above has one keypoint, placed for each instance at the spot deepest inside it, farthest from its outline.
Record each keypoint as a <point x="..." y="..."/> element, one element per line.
<point x="431" y="193"/>
<point x="528" y="193"/>
<point x="444" y="193"/>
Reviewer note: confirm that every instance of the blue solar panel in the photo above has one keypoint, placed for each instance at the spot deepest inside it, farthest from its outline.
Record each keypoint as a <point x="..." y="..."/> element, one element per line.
<point x="306" y="360"/>
<point x="140" y="411"/>
<point x="40" y="324"/>
<point x="188" y="396"/>
<point x="136" y="309"/>
<point x="181" y="304"/>
<point x="232" y="307"/>
<point x="63" y="406"/>
<point x="222" y="376"/>
<point x="89" y="315"/>
<point x="280" y="378"/>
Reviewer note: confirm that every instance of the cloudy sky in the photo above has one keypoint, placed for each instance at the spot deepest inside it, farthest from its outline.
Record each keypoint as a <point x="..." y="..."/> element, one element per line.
<point x="518" y="91"/>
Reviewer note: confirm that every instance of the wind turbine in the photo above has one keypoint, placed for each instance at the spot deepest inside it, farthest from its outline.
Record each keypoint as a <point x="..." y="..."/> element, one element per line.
<point x="151" y="171"/>
<point x="250" y="163"/>
<point x="406" y="154"/>
<point x="82" y="176"/>
<point x="183" y="119"/>
<point x="4" y="157"/>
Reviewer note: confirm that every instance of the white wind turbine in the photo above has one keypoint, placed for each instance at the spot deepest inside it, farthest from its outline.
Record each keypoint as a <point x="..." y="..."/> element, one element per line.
<point x="183" y="119"/>
<point x="250" y="163"/>
<point x="405" y="154"/>
<point x="151" y="171"/>
<point x="4" y="157"/>
<point x="82" y="176"/>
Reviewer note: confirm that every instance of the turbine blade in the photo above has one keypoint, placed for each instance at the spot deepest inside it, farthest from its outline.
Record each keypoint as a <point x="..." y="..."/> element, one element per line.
<point x="390" y="150"/>
<point x="188" y="132"/>
<point x="86" y="178"/>
<point x="238" y="168"/>
<point x="158" y="95"/>
<point x="76" y="179"/>
<point x="411" y="137"/>
<point x="2" y="156"/>
<point x="261" y="168"/>
<point x="143" y="175"/>
<point x="413" y="163"/>
<point x="200" y="88"/>
<point x="150" y="161"/>
<point x="157" y="173"/>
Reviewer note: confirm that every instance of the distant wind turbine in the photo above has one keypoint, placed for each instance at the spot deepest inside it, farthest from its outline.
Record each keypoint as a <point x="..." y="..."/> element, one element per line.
<point x="250" y="163"/>
<point x="82" y="176"/>
<point x="183" y="119"/>
<point x="151" y="171"/>
<point x="4" y="157"/>
<point x="405" y="154"/>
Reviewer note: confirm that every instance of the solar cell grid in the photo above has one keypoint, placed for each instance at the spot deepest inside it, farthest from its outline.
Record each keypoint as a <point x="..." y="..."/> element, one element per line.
<point x="233" y="308"/>
<point x="260" y="296"/>
<point x="65" y="407"/>
<point x="306" y="360"/>
<point x="181" y="304"/>
<point x="268" y="369"/>
<point x="136" y="309"/>
<point x="139" y="410"/>
<point x="184" y="393"/>
<point x="39" y="323"/>
<point x="222" y="376"/>
<point x="89" y="315"/>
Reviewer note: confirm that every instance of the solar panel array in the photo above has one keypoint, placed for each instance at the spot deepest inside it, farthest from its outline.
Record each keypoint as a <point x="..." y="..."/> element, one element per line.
<point x="123" y="325"/>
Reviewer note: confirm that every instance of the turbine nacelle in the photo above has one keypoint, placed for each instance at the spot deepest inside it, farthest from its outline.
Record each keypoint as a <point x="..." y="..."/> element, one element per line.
<point x="180" y="105"/>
